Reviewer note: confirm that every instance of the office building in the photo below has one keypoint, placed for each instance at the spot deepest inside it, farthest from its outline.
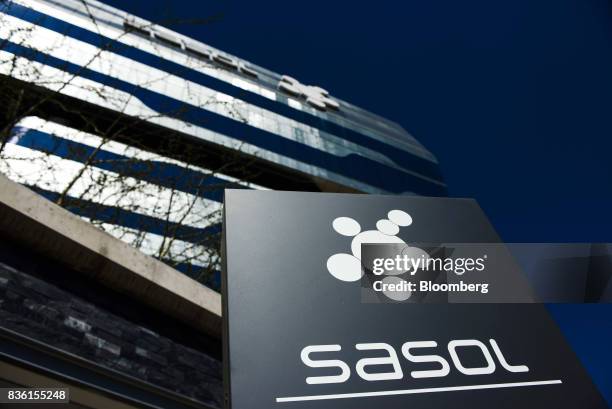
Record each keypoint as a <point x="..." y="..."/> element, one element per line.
<point x="137" y="129"/>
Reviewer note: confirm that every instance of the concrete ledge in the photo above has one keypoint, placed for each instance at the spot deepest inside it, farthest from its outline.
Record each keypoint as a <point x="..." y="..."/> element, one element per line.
<point x="31" y="220"/>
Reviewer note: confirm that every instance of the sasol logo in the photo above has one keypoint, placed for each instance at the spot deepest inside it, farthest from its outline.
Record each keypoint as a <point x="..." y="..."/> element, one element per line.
<point x="315" y="96"/>
<point x="347" y="267"/>
<point x="394" y="273"/>
<point x="410" y="351"/>
<point x="413" y="352"/>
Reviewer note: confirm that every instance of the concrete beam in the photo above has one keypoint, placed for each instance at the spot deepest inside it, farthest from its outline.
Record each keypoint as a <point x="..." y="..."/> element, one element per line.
<point x="31" y="220"/>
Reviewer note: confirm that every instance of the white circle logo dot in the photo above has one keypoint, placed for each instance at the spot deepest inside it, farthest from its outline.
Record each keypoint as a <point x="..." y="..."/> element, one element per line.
<point x="344" y="267"/>
<point x="400" y="217"/>
<point x="387" y="227"/>
<point x="346" y="226"/>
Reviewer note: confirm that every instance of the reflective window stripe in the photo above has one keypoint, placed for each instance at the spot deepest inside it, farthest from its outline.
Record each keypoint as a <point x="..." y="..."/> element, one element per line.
<point x="370" y="141"/>
<point x="353" y="166"/>
<point x="108" y="19"/>
<point x="131" y="220"/>
<point x="53" y="173"/>
<point x="77" y="86"/>
<point x="133" y="72"/>
<point x="130" y="209"/>
<point x="171" y="174"/>
<point x="38" y="124"/>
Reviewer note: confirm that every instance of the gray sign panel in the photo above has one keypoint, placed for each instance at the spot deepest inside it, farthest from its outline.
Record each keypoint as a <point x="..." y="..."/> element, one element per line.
<point x="298" y="333"/>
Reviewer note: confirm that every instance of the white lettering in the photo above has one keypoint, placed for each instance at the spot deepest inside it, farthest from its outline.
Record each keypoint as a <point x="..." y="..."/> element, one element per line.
<point x="452" y="349"/>
<point x="331" y="363"/>
<point x="391" y="359"/>
<point x="433" y="373"/>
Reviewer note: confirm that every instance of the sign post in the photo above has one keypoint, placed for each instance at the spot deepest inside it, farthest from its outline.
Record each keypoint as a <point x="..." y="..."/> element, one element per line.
<point x="303" y="331"/>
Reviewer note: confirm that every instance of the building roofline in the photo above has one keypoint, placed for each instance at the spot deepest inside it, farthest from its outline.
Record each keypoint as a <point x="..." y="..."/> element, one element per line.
<point x="116" y="17"/>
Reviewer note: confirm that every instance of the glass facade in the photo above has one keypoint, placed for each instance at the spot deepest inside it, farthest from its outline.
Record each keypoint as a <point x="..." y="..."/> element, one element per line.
<point x="138" y="129"/>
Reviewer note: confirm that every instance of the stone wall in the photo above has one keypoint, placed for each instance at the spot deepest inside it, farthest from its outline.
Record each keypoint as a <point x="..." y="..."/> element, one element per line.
<point x="34" y="307"/>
